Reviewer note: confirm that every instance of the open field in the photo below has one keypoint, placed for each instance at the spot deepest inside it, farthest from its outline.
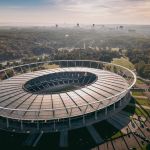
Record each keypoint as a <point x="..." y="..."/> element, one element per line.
<point x="140" y="98"/>
<point x="123" y="62"/>
<point x="144" y="102"/>
<point x="135" y="93"/>
<point x="138" y="81"/>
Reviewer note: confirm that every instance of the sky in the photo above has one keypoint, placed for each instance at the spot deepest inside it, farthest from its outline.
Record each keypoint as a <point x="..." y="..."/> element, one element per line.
<point x="46" y="12"/>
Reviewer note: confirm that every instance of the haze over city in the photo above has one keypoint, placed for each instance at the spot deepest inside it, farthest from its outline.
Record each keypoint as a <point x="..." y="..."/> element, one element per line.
<point x="46" y="12"/>
<point x="75" y="74"/>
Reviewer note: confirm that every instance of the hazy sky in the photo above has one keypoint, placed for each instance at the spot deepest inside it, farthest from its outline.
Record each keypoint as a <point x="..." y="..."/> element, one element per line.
<point x="45" y="12"/>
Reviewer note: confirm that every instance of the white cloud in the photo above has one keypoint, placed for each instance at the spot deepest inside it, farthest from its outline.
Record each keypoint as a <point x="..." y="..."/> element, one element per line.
<point x="84" y="11"/>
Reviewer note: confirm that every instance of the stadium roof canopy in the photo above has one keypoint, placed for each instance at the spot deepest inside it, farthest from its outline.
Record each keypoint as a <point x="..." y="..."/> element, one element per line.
<point x="34" y="104"/>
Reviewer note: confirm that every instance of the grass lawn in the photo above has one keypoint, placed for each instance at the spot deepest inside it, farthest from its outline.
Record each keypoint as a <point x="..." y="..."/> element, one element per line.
<point x="138" y="81"/>
<point x="134" y="93"/>
<point x="140" y="101"/>
<point x="123" y="62"/>
<point x="133" y="109"/>
<point x="148" y="111"/>
<point x="146" y="147"/>
<point x="116" y="135"/>
<point x="144" y="102"/>
<point x="140" y="112"/>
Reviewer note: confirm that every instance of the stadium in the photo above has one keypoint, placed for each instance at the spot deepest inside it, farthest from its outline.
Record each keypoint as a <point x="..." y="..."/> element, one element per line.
<point x="62" y="95"/>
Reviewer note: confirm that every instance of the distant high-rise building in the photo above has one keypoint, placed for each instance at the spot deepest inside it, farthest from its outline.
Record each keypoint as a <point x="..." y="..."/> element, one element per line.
<point x="121" y="27"/>
<point x="84" y="46"/>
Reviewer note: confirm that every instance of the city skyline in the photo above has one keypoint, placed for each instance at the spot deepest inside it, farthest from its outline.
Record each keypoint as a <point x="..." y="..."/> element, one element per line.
<point x="45" y="12"/>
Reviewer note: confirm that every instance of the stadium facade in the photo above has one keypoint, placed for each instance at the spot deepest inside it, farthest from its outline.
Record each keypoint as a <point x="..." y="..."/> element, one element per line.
<point x="60" y="95"/>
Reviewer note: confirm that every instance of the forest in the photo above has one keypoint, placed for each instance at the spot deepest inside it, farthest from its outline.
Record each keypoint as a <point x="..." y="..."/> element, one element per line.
<point x="102" y="43"/>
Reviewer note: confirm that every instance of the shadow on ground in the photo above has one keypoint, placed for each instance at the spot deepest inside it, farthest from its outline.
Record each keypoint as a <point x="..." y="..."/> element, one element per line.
<point x="78" y="139"/>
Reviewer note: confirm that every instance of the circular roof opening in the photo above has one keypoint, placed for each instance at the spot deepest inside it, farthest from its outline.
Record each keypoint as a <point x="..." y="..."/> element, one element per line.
<point x="59" y="82"/>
